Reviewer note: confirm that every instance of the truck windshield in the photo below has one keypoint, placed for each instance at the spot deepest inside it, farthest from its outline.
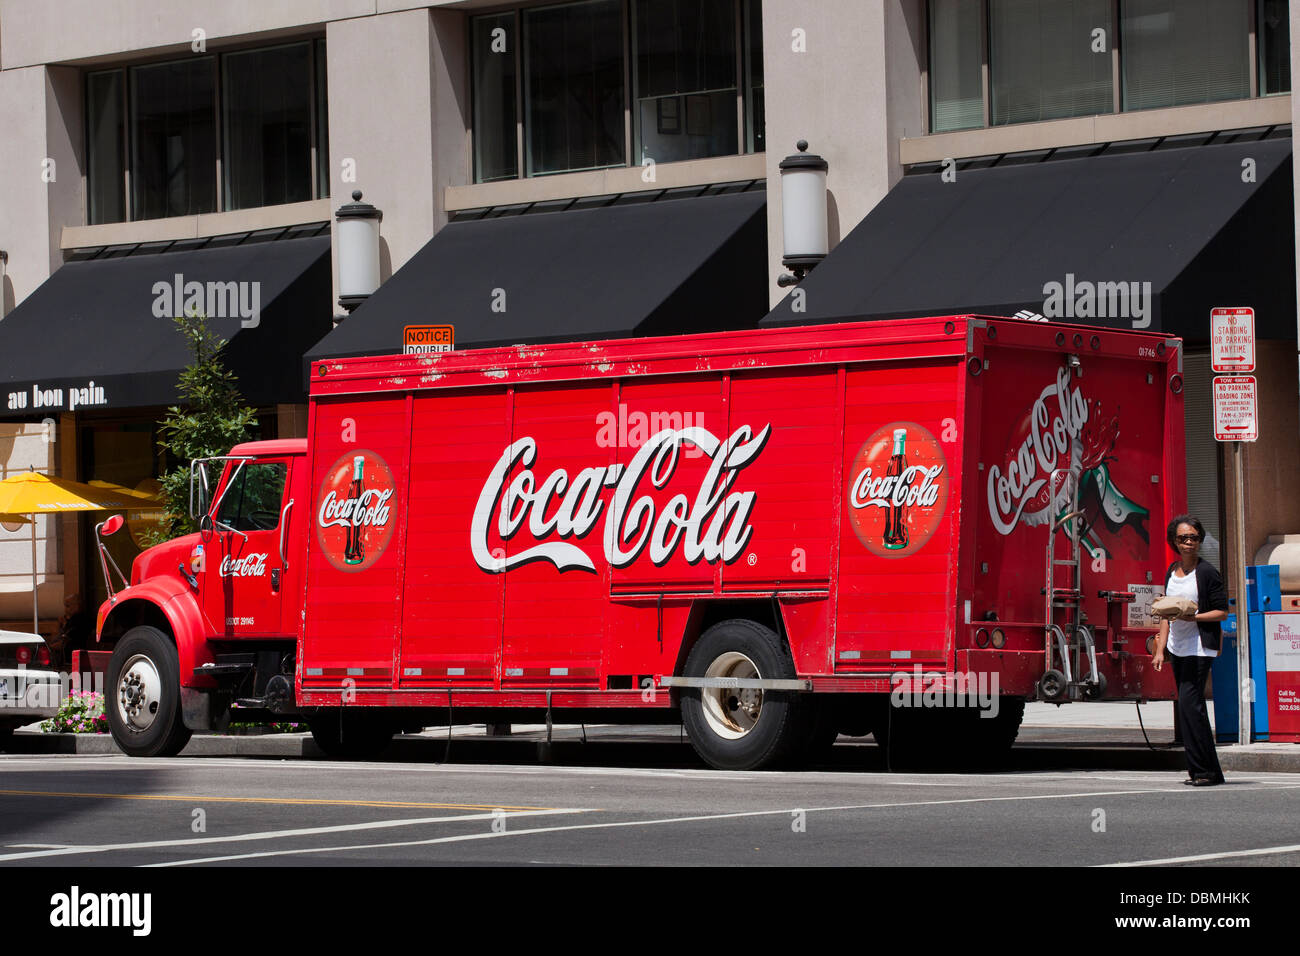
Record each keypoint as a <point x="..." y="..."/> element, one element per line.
<point x="252" y="502"/>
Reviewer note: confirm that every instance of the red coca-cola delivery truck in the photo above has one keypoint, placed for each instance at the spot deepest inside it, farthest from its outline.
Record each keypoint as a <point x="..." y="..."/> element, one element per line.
<point x="772" y="536"/>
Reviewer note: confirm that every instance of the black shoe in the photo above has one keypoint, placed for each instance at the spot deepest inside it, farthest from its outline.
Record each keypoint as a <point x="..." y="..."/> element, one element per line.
<point x="1207" y="781"/>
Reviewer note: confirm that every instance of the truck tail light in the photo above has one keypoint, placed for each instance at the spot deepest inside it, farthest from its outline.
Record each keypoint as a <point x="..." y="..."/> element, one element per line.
<point x="999" y="637"/>
<point x="43" y="656"/>
<point x="982" y="637"/>
<point x="24" y="654"/>
<point x="1151" y="644"/>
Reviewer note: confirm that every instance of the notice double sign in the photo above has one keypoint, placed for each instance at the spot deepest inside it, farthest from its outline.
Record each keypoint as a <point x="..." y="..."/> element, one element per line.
<point x="1232" y="349"/>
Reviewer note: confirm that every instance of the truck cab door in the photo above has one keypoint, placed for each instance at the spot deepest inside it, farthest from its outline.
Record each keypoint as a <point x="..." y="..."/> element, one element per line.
<point x="243" y="575"/>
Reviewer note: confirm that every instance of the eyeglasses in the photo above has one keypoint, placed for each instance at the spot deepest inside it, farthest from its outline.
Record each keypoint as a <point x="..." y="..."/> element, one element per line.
<point x="1188" y="538"/>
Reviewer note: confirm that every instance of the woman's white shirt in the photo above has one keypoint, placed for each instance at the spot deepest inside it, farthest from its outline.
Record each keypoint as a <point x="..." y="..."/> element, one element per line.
<point x="1185" y="636"/>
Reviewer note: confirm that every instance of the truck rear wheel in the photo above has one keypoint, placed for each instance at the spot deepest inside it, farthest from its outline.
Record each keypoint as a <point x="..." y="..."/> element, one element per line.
<point x="740" y="728"/>
<point x="143" y="695"/>
<point x="351" y="734"/>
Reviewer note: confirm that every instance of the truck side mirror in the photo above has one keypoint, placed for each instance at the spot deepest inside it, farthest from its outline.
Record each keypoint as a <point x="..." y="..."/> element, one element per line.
<point x="199" y="489"/>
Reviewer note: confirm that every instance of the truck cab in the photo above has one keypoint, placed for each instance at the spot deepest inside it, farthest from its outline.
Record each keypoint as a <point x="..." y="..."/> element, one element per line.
<point x="208" y="621"/>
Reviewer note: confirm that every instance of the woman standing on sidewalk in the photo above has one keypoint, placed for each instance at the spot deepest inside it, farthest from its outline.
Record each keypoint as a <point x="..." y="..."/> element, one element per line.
<point x="1193" y="644"/>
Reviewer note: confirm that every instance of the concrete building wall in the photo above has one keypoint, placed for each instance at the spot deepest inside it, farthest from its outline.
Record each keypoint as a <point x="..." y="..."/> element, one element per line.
<point x="382" y="143"/>
<point x="25" y="229"/>
<point x="845" y="76"/>
<point x="58" y="31"/>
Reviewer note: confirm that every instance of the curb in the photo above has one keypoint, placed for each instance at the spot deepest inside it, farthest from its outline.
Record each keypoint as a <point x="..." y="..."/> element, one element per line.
<point x="657" y="751"/>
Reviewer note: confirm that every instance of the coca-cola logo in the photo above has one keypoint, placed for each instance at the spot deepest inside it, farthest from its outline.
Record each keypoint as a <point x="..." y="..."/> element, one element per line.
<point x="355" y="520"/>
<point x="250" y="566"/>
<point x="897" y="489"/>
<point x="712" y="525"/>
<point x="1047" y="439"/>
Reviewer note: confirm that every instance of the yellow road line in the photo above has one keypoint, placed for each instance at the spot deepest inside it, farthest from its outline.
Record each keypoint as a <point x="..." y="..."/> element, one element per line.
<point x="291" y="801"/>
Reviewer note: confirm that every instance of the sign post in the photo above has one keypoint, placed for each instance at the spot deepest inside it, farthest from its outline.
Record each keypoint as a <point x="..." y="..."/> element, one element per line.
<point x="1236" y="419"/>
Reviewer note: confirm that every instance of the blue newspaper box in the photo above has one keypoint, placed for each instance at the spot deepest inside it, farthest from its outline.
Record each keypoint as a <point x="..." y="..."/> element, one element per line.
<point x="1263" y="593"/>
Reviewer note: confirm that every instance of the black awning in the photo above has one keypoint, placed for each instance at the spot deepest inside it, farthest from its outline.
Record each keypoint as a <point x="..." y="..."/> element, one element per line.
<point x="99" y="334"/>
<point x="1182" y="218"/>
<point x="613" y="271"/>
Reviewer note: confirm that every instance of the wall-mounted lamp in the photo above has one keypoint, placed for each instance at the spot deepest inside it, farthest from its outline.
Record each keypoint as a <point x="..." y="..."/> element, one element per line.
<point x="803" y="213"/>
<point x="358" y="251"/>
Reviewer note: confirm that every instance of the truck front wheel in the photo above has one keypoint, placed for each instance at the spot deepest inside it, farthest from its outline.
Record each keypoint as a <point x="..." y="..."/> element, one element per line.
<point x="143" y="699"/>
<point x="737" y="728"/>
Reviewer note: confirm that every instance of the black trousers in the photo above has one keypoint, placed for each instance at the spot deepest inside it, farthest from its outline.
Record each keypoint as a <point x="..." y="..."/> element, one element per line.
<point x="1198" y="740"/>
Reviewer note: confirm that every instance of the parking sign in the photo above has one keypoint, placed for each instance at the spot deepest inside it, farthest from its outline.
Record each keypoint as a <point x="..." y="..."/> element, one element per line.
<point x="1232" y="339"/>
<point x="1236" y="416"/>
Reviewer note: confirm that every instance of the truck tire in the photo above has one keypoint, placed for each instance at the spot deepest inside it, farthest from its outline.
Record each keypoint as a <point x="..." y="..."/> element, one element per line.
<point x="351" y="734"/>
<point x="993" y="737"/>
<point x="740" y="729"/>
<point x="143" y="695"/>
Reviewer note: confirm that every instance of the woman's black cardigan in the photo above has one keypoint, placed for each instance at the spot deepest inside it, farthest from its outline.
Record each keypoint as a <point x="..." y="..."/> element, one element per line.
<point x="1211" y="595"/>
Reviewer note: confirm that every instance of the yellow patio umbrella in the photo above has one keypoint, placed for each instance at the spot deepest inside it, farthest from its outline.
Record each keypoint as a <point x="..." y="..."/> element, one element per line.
<point x="31" y="493"/>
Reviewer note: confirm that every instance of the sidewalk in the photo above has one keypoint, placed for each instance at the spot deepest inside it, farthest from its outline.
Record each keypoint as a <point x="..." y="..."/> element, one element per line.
<point x="1072" y="736"/>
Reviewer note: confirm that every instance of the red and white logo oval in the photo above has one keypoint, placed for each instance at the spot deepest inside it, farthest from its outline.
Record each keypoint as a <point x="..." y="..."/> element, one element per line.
<point x="897" y="490"/>
<point x="355" y="515"/>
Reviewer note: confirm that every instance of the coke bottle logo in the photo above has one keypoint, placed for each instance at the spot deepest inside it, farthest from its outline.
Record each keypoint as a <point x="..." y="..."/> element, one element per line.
<point x="355" y="517"/>
<point x="712" y="525"/>
<point x="895" y="502"/>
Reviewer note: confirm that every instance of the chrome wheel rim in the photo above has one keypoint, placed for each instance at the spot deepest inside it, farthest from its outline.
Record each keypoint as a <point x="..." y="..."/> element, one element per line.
<point x="732" y="712"/>
<point x="139" y="693"/>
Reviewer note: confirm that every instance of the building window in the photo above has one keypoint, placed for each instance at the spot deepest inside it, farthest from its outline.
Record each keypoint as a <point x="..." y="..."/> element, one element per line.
<point x="755" y="115"/>
<point x="172" y="117"/>
<point x="1178" y="52"/>
<point x="106" y="146"/>
<point x="153" y="134"/>
<point x="550" y="85"/>
<point x="573" y="87"/>
<point x="266" y="125"/>
<point x="1049" y="59"/>
<point x="1000" y="62"/>
<point x="956" y="59"/>
<point x="686" y="79"/>
<point x="1274" y="47"/>
<point x="492" y="50"/>
<point x="320" y="142"/>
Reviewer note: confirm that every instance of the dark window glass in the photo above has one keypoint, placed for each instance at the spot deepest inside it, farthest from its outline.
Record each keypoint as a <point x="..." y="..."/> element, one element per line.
<point x="322" y="125"/>
<point x="105" y="179"/>
<point x="755" y="119"/>
<point x="1177" y="52"/>
<point x="686" y="79"/>
<point x="493" y="53"/>
<point x="267" y="126"/>
<point x="1049" y="59"/>
<point x="252" y="502"/>
<point x="173" y="139"/>
<point x="1274" y="47"/>
<point x="573" y="89"/>
<point x="956" y="89"/>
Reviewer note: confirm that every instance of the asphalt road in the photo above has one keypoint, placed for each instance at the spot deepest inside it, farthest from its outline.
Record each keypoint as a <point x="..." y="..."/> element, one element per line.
<point x="76" y="811"/>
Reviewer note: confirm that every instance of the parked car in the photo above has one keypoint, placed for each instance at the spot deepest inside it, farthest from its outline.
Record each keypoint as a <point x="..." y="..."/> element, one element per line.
<point x="27" y="692"/>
